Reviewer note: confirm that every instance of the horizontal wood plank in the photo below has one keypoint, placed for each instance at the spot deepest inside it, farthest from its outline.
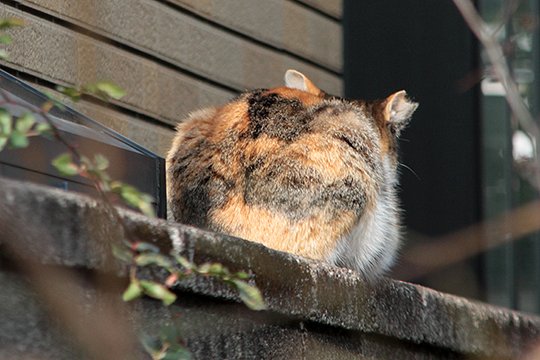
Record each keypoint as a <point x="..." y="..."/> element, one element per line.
<point x="54" y="53"/>
<point x="155" y="138"/>
<point x="333" y="8"/>
<point x="280" y="23"/>
<point x="183" y="41"/>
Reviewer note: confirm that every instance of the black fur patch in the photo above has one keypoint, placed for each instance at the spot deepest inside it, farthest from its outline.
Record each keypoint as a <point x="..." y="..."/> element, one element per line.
<point x="277" y="117"/>
<point x="202" y="190"/>
<point x="297" y="192"/>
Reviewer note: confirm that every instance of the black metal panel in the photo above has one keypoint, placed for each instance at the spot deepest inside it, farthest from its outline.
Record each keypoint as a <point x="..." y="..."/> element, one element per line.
<point x="129" y="162"/>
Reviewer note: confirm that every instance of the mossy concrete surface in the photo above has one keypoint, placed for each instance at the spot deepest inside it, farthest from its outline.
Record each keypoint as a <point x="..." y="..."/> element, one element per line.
<point x="315" y="311"/>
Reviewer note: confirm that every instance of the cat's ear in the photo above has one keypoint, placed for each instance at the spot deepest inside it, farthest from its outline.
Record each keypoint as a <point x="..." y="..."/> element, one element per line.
<point x="296" y="80"/>
<point x="398" y="110"/>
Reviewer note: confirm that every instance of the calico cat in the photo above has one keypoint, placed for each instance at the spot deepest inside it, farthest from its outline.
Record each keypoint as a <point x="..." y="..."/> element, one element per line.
<point x="296" y="170"/>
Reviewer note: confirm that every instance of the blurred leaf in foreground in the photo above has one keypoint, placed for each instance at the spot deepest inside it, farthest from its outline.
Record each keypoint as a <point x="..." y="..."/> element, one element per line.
<point x="105" y="90"/>
<point x="18" y="139"/>
<point x="25" y="123"/>
<point x="65" y="165"/>
<point x="6" y="39"/>
<point x="133" y="291"/>
<point x="10" y="22"/>
<point x="71" y="92"/>
<point x="250" y="295"/>
<point x="5" y="122"/>
<point x="133" y="197"/>
<point x="158" y="291"/>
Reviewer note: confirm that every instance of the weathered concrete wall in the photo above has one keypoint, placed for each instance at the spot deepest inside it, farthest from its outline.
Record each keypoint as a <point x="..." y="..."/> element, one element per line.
<point x="316" y="311"/>
<point x="172" y="56"/>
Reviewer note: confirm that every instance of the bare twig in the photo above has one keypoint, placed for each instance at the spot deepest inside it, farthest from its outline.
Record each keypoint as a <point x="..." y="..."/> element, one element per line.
<point x="44" y="112"/>
<point x="496" y="56"/>
<point x="103" y="331"/>
<point x="450" y="249"/>
<point x="508" y="10"/>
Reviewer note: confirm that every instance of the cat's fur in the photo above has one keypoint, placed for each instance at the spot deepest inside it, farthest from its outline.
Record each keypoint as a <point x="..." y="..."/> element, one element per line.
<point x="296" y="170"/>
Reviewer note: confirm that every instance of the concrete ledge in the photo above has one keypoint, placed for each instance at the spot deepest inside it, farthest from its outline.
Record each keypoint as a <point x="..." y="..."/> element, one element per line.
<point x="318" y="306"/>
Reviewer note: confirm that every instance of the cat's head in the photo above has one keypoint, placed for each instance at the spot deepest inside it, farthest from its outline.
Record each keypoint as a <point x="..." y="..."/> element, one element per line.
<point x="388" y="116"/>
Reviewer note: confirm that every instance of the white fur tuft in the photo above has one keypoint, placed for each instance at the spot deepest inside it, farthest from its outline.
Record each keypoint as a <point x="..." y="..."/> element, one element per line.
<point x="371" y="246"/>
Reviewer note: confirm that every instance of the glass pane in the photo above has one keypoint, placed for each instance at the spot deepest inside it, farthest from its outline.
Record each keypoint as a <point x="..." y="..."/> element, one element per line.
<point x="509" y="154"/>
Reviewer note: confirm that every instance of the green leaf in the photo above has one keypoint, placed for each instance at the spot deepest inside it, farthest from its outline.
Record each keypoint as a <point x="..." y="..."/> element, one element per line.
<point x="204" y="268"/>
<point x="18" y="139"/>
<point x="152" y="259"/>
<point x="130" y="194"/>
<point x="112" y="90"/>
<point x="3" y="142"/>
<point x="71" y="92"/>
<point x="52" y="101"/>
<point x="158" y="291"/>
<point x="10" y="22"/>
<point x="170" y="333"/>
<point x="177" y="352"/>
<point x="182" y="261"/>
<point x="5" y="122"/>
<point x="146" y="206"/>
<point x="242" y="275"/>
<point x="86" y="161"/>
<point x="134" y="197"/>
<point x="25" y="123"/>
<point x="102" y="163"/>
<point x="250" y="295"/>
<point x="105" y="90"/>
<point x="122" y="253"/>
<point x="151" y="345"/>
<point x="217" y="269"/>
<point x="5" y="39"/>
<point x="133" y="291"/>
<point x="97" y="169"/>
<point x="43" y="128"/>
<point x="65" y="165"/>
<point x="3" y="54"/>
<point x="144" y="246"/>
<point x="100" y="176"/>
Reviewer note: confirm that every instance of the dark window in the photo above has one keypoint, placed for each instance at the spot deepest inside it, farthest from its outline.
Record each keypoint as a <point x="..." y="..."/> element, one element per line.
<point x="467" y="151"/>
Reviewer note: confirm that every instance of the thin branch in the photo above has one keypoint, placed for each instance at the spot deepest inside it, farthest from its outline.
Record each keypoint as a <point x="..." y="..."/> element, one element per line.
<point x="72" y="149"/>
<point x="495" y="54"/>
<point x="510" y="7"/>
<point x="56" y="133"/>
<point x="450" y="249"/>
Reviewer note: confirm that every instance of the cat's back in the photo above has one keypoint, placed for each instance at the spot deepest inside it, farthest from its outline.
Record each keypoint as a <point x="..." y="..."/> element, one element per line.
<point x="296" y="170"/>
<point x="288" y="168"/>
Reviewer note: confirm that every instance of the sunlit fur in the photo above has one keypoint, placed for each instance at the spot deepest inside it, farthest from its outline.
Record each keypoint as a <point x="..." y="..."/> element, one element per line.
<point x="296" y="170"/>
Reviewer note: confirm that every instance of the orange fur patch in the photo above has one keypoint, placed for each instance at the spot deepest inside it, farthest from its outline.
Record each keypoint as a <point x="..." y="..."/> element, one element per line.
<point x="314" y="237"/>
<point x="320" y="155"/>
<point x="232" y="116"/>
<point x="385" y="140"/>
<point x="306" y="98"/>
<point x="262" y="145"/>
